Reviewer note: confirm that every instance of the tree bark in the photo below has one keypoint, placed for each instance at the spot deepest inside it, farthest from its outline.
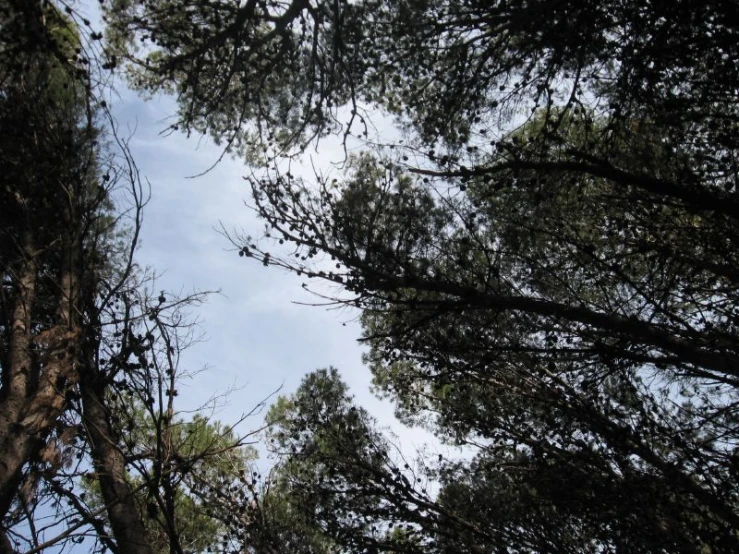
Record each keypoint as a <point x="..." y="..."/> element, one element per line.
<point x="124" y="516"/>
<point x="41" y="368"/>
<point x="14" y="440"/>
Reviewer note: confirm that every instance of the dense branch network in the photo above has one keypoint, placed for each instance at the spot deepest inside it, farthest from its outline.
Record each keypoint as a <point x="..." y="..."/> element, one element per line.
<point x="546" y="266"/>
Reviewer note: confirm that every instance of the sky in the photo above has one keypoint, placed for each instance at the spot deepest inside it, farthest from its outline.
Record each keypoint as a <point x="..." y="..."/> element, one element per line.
<point x="258" y="338"/>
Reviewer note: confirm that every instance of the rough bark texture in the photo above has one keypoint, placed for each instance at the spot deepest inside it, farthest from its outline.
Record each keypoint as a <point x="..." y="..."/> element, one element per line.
<point x="124" y="516"/>
<point x="39" y="370"/>
<point x="16" y="373"/>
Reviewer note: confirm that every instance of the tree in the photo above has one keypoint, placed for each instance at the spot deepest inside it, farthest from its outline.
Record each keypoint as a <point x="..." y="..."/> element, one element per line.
<point x="329" y="490"/>
<point x="82" y="337"/>
<point x="448" y="67"/>
<point x="366" y="497"/>
<point x="558" y="323"/>
<point x="356" y="491"/>
<point x="54" y="243"/>
<point x="336" y="474"/>
<point x="546" y="266"/>
<point x="201" y="452"/>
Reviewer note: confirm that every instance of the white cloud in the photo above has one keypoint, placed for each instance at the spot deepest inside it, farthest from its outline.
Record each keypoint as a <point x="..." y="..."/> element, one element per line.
<point x="258" y="338"/>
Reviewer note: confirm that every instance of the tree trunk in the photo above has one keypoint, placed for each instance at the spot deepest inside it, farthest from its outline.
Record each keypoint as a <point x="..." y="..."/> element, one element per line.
<point x="41" y="367"/>
<point x="14" y="440"/>
<point x="124" y="516"/>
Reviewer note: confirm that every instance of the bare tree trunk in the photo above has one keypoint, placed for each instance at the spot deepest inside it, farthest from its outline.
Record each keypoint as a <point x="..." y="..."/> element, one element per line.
<point x="39" y="370"/>
<point x="17" y="370"/>
<point x="5" y="546"/>
<point x="124" y="516"/>
<point x="42" y="365"/>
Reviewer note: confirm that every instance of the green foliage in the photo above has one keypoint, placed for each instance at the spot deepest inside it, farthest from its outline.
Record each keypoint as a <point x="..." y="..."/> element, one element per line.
<point x="565" y="325"/>
<point x="445" y="67"/>
<point x="57" y="234"/>
<point x="546" y="267"/>
<point x="560" y="301"/>
<point x="199" y="453"/>
<point x="71" y="304"/>
<point x="333" y="488"/>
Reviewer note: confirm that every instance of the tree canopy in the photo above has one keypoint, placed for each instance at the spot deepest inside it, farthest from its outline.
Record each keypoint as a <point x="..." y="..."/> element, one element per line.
<point x="87" y="351"/>
<point x="546" y="265"/>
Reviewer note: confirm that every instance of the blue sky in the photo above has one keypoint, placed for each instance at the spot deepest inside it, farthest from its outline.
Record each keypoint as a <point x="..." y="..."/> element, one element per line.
<point x="257" y="338"/>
